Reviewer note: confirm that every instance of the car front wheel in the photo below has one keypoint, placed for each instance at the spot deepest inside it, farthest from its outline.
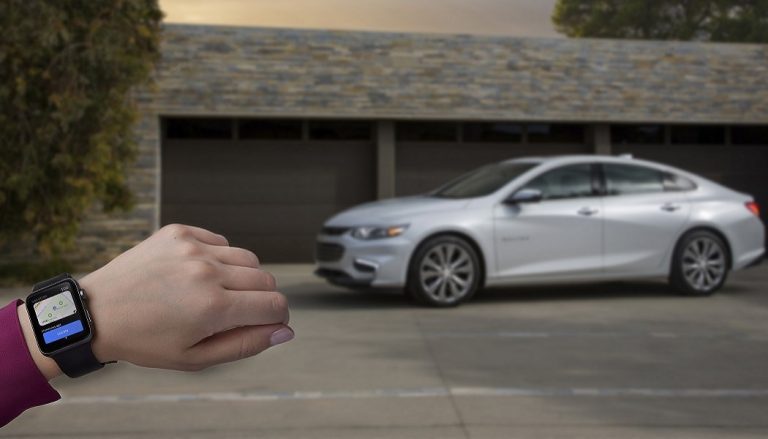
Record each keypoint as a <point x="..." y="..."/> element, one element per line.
<point x="444" y="271"/>
<point x="700" y="263"/>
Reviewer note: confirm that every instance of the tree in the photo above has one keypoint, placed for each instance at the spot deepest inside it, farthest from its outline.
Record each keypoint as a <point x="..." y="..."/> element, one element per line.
<point x="744" y="21"/>
<point x="67" y="68"/>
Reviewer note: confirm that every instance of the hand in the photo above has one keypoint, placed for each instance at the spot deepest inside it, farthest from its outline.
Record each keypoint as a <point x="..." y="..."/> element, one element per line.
<point x="183" y="299"/>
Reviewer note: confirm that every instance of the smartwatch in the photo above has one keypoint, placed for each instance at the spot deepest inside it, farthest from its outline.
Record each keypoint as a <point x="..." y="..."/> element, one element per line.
<point x="62" y="325"/>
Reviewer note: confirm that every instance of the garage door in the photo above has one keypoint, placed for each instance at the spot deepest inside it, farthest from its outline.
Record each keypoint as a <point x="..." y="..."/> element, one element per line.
<point x="268" y="196"/>
<point x="740" y="165"/>
<point x="430" y="154"/>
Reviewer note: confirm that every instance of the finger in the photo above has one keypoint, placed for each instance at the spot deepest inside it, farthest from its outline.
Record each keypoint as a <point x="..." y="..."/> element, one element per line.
<point x="249" y="308"/>
<point x="203" y="235"/>
<point x="238" y="343"/>
<point x="247" y="279"/>
<point x="235" y="256"/>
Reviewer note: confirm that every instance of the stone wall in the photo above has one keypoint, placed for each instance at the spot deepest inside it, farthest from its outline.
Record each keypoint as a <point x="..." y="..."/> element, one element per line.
<point x="386" y="75"/>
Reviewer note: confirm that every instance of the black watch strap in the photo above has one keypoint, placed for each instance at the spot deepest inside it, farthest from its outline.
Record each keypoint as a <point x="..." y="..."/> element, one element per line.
<point x="78" y="360"/>
<point x="51" y="281"/>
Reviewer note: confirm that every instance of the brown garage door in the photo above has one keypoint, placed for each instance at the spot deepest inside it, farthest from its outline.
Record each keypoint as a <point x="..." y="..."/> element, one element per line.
<point x="269" y="197"/>
<point x="423" y="165"/>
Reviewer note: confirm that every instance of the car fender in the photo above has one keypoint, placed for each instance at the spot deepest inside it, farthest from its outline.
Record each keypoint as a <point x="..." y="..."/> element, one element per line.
<point x="480" y="235"/>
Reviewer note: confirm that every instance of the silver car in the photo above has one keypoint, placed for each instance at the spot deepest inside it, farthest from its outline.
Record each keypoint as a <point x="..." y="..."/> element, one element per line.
<point x="546" y="220"/>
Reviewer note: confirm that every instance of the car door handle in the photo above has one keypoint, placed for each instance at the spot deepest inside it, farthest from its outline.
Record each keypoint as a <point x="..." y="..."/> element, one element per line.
<point x="587" y="211"/>
<point x="670" y="207"/>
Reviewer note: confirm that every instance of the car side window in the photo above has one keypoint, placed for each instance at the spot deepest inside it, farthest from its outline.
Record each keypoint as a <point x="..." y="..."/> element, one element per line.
<point x="677" y="183"/>
<point x="570" y="181"/>
<point x="632" y="179"/>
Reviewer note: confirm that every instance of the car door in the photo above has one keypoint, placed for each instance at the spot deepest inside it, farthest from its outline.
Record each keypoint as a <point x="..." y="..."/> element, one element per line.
<point x="643" y="219"/>
<point x="559" y="236"/>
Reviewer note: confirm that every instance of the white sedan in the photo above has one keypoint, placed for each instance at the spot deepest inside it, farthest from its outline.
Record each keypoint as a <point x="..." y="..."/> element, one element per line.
<point x="546" y="220"/>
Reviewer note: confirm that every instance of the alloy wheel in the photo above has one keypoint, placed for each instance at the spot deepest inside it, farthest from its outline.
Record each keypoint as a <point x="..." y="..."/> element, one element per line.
<point x="703" y="264"/>
<point x="446" y="273"/>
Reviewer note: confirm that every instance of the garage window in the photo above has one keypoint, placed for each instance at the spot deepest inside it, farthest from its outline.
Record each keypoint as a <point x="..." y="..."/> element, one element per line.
<point x="697" y="134"/>
<point x="270" y="129"/>
<point x="198" y="128"/>
<point x="556" y="133"/>
<point x="750" y="135"/>
<point x="340" y="130"/>
<point x="493" y="132"/>
<point x="427" y="131"/>
<point x="637" y="134"/>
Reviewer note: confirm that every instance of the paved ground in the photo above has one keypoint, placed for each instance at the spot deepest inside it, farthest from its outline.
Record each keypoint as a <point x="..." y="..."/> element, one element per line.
<point x="609" y="361"/>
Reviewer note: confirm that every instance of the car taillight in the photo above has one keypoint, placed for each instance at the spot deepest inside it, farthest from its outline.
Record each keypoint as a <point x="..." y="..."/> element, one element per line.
<point x="753" y="207"/>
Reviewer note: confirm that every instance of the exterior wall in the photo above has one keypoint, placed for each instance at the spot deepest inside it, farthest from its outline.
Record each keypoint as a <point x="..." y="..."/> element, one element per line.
<point x="282" y="72"/>
<point x="386" y="76"/>
<point x="104" y="236"/>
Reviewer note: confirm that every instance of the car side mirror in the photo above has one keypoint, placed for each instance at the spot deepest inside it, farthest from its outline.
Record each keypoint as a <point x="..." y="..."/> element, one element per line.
<point x="525" y="196"/>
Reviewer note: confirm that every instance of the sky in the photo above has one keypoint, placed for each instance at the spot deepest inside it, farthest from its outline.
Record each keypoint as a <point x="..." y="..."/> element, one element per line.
<point x="527" y="18"/>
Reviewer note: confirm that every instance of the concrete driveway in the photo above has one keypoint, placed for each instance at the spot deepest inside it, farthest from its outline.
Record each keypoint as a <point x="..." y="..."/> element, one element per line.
<point x="597" y="361"/>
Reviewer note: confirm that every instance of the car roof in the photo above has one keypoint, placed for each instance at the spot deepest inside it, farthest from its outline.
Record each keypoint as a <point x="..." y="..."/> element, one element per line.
<point x="581" y="158"/>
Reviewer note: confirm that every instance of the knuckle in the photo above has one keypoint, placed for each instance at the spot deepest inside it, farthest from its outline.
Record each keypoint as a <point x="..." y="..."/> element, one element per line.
<point x="270" y="283"/>
<point x="201" y="270"/>
<point x="216" y="303"/>
<point x="279" y="303"/>
<point x="249" y="346"/>
<point x="175" y="229"/>
<point x="254" y="259"/>
<point x="189" y="249"/>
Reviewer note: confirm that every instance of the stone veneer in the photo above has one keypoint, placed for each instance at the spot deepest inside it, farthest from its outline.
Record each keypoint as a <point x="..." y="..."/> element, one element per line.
<point x="208" y="70"/>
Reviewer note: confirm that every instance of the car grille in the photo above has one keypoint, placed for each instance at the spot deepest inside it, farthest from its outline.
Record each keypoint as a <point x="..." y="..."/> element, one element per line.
<point x="333" y="231"/>
<point x="326" y="252"/>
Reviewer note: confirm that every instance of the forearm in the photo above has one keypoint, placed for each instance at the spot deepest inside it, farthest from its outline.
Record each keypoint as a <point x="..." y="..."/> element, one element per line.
<point x="46" y="365"/>
<point x="22" y="380"/>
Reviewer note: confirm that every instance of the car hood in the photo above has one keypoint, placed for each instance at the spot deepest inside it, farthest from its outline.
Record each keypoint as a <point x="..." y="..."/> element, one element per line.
<point x="393" y="209"/>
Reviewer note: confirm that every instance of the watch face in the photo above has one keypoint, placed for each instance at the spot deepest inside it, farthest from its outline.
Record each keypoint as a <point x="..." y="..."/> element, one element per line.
<point x="58" y="317"/>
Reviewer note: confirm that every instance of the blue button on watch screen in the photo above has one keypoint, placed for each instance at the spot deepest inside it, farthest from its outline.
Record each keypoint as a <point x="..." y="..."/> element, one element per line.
<point x="63" y="331"/>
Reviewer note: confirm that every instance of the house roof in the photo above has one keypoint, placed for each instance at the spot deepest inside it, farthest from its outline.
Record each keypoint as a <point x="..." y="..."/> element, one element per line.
<point x="315" y="73"/>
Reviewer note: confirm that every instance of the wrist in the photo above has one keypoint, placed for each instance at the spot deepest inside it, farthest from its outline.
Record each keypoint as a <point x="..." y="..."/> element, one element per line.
<point x="46" y="365"/>
<point x="100" y="341"/>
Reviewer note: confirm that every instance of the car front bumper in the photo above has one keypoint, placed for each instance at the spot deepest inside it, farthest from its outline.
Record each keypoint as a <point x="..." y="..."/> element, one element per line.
<point x="346" y="261"/>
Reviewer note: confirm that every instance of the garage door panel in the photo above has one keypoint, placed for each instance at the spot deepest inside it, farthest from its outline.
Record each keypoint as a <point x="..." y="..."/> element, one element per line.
<point x="267" y="173"/>
<point x="272" y="188"/>
<point x="275" y="249"/>
<point x="750" y="159"/>
<point x="271" y="198"/>
<point x="423" y="166"/>
<point x="254" y="218"/>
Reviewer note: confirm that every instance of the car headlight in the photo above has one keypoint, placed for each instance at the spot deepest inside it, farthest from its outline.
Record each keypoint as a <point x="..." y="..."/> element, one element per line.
<point x="375" y="232"/>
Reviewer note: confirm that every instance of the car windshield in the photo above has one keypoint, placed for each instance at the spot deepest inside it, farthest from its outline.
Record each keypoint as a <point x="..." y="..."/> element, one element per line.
<point x="483" y="181"/>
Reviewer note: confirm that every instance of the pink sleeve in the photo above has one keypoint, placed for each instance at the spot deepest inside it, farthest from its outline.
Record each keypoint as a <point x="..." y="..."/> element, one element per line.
<point x="22" y="386"/>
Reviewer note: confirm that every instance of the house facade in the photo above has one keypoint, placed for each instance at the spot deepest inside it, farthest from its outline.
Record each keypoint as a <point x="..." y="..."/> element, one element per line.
<point x="261" y="134"/>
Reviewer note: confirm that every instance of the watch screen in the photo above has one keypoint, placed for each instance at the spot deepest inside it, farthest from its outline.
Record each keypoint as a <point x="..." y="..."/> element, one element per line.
<point x="58" y="317"/>
<point x="54" y="309"/>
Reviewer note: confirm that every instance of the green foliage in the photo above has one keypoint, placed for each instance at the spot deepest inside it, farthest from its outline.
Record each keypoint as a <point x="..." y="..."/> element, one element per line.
<point x="66" y="115"/>
<point x="744" y="21"/>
